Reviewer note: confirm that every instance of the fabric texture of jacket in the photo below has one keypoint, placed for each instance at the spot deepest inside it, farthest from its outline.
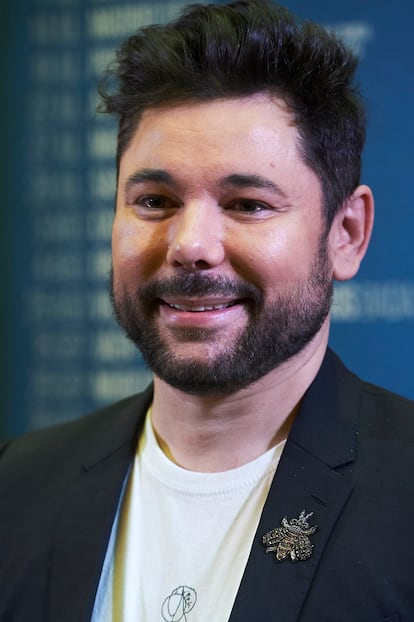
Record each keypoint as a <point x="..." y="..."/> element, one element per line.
<point x="349" y="460"/>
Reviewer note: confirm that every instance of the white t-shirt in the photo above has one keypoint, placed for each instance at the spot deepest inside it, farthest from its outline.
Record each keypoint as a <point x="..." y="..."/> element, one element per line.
<point x="181" y="540"/>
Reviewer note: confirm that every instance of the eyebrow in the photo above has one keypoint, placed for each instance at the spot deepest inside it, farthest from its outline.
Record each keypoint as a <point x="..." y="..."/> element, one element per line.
<point x="237" y="180"/>
<point x="252" y="181"/>
<point x="148" y="174"/>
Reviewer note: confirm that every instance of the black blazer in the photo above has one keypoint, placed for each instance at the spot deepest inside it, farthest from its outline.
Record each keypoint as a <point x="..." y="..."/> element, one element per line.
<point x="349" y="459"/>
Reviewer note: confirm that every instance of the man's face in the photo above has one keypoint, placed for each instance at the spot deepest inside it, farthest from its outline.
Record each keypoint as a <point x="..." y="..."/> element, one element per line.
<point x="220" y="263"/>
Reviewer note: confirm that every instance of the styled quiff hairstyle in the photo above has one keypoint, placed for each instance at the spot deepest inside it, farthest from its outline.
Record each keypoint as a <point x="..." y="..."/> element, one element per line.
<point x="239" y="49"/>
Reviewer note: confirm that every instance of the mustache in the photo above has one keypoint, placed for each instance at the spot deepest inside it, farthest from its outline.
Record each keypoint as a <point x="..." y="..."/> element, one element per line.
<point x="198" y="284"/>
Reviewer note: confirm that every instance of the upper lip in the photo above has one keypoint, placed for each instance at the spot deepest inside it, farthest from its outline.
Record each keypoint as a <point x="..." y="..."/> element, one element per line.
<point x="199" y="304"/>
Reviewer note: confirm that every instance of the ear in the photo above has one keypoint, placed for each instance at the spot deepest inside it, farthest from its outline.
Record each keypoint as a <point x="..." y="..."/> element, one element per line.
<point x="350" y="233"/>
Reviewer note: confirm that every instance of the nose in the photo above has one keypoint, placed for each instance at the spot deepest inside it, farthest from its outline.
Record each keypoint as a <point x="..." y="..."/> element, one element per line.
<point x="196" y="237"/>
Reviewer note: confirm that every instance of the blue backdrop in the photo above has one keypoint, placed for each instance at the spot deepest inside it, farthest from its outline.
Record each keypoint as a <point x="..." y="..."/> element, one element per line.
<point x="62" y="353"/>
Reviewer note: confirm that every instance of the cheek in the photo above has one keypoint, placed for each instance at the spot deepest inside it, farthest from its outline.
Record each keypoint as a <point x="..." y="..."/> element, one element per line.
<point x="278" y="256"/>
<point x="137" y="251"/>
<point x="267" y="256"/>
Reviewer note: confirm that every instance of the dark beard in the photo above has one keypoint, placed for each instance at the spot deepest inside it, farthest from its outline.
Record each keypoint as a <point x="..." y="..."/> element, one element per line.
<point x="273" y="335"/>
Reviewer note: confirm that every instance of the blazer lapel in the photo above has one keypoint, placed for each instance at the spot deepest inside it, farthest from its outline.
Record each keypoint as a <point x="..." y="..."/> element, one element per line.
<point x="315" y="475"/>
<point x="88" y="508"/>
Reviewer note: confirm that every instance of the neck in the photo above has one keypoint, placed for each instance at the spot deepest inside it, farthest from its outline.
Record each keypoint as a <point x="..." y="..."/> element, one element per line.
<point x="212" y="434"/>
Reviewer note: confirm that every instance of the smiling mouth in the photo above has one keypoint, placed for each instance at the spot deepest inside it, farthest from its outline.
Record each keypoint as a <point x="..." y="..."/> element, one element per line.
<point x="197" y="307"/>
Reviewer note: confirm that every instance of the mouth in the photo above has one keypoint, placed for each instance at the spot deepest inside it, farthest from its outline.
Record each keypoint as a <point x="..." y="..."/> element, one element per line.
<point x="206" y="313"/>
<point x="199" y="306"/>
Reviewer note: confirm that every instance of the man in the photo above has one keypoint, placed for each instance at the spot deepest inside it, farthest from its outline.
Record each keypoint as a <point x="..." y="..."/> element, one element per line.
<point x="257" y="479"/>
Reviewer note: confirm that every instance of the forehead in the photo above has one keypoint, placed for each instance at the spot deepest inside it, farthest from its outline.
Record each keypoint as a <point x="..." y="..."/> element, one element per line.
<point x="248" y="118"/>
<point x="250" y="135"/>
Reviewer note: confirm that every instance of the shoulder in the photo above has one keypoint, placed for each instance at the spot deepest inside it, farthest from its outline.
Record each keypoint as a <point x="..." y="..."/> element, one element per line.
<point x="383" y="423"/>
<point x="382" y="414"/>
<point x="379" y="396"/>
<point x="43" y="452"/>
<point x="390" y="414"/>
<point x="386" y="436"/>
<point x="373" y="401"/>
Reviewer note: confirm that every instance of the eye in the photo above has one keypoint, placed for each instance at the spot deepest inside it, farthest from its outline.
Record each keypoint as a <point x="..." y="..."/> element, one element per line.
<point x="153" y="206"/>
<point x="154" y="202"/>
<point x="249" y="206"/>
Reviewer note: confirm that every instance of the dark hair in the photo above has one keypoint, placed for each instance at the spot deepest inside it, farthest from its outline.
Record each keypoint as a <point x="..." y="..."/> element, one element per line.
<point x="242" y="48"/>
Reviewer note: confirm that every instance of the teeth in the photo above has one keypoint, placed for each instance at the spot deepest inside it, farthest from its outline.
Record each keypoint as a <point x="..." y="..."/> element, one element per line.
<point x="200" y="308"/>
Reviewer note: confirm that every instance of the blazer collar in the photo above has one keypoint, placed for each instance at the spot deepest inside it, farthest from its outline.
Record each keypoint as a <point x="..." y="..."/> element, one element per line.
<point x="121" y="428"/>
<point x="315" y="475"/>
<point x="327" y="422"/>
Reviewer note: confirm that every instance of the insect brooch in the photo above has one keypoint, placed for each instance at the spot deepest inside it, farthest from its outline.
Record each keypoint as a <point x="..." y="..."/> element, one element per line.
<point x="291" y="539"/>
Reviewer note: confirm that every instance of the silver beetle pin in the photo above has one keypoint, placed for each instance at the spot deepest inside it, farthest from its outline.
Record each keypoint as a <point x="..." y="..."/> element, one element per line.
<point x="291" y="539"/>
